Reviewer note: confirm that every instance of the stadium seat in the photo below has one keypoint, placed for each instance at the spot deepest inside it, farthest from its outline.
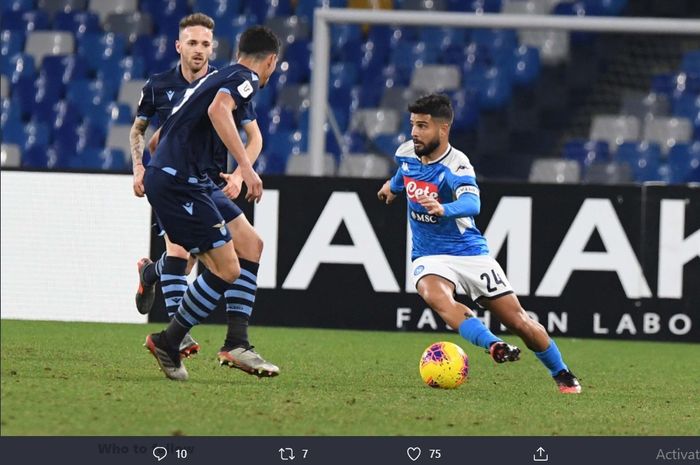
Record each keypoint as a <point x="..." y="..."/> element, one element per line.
<point x="52" y="7"/>
<point x="18" y="66"/>
<point x="115" y="72"/>
<point x="434" y="78"/>
<point x="17" y="5"/>
<point x="66" y="68"/>
<point x="688" y="106"/>
<point x="615" y="129"/>
<point x="444" y="37"/>
<point x="4" y="88"/>
<point x="12" y="132"/>
<point x="300" y="165"/>
<point x="364" y="165"/>
<point x="264" y="10"/>
<point x="305" y="8"/>
<point x="130" y="93"/>
<point x="42" y="43"/>
<point x="10" y="156"/>
<point x="644" y="159"/>
<point x="281" y="120"/>
<point x="524" y="7"/>
<point x="294" y="97"/>
<point x="84" y="94"/>
<point x="386" y="144"/>
<point x="11" y="42"/>
<point x="104" y="7"/>
<point x="108" y="159"/>
<point x="684" y="163"/>
<point x="97" y="48"/>
<point x="218" y="9"/>
<point x="35" y="156"/>
<point x="553" y="45"/>
<point x="691" y="62"/>
<point x="118" y="137"/>
<point x="667" y="132"/>
<point x="130" y="25"/>
<point x="586" y="152"/>
<point x="493" y="88"/>
<point x="48" y="92"/>
<point x="608" y="173"/>
<point x="26" y="21"/>
<point x="289" y="29"/>
<point x="474" y="6"/>
<point x="158" y="53"/>
<point x="398" y="98"/>
<point x="374" y="122"/>
<point x="555" y="170"/>
<point x="78" y="22"/>
<point x="644" y="106"/>
<point x="526" y="65"/>
<point x="421" y="5"/>
<point x="223" y="53"/>
<point x="466" y="112"/>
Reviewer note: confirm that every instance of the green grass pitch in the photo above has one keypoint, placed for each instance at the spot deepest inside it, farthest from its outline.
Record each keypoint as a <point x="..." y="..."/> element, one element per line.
<point x="97" y="379"/>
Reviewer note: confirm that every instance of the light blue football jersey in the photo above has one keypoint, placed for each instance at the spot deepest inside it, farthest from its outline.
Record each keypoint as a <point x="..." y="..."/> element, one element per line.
<point x="446" y="179"/>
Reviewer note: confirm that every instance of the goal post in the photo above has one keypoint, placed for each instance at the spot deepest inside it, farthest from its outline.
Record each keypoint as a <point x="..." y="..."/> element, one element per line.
<point x="324" y="17"/>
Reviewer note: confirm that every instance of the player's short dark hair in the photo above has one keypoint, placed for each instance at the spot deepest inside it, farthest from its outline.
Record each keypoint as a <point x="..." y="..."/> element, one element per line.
<point x="197" y="19"/>
<point x="259" y="41"/>
<point x="435" y="105"/>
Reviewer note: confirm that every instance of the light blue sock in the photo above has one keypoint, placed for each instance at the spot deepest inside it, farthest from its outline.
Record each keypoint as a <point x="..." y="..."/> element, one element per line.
<point x="551" y="358"/>
<point x="474" y="331"/>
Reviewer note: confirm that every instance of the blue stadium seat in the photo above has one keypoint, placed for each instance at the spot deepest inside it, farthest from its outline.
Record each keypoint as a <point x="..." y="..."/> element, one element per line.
<point x="35" y="156"/>
<point x="644" y="158"/>
<point x="281" y="120"/>
<point x="166" y="16"/>
<point x="11" y="111"/>
<point x="24" y="21"/>
<point x="466" y="113"/>
<point x="305" y="8"/>
<point x="269" y="9"/>
<point x="346" y="42"/>
<point x="17" y="66"/>
<point x="298" y="56"/>
<point x="578" y="9"/>
<point x="475" y="6"/>
<point x="17" y="5"/>
<point x="496" y="39"/>
<point x="526" y="65"/>
<point x="65" y="68"/>
<point x="605" y="7"/>
<point x="386" y="144"/>
<point x="13" y="132"/>
<point x="98" y="48"/>
<point x="11" y="42"/>
<point x="78" y="22"/>
<point x="48" y="91"/>
<point x="23" y="92"/>
<point x="586" y="152"/>
<point x="36" y="134"/>
<point x="684" y="163"/>
<point x="691" y="62"/>
<point x="219" y="10"/>
<point x="493" y="88"/>
<point x="406" y="56"/>
<point x="688" y="106"/>
<point x="85" y="94"/>
<point x="115" y="72"/>
<point x="354" y="142"/>
<point x="444" y="37"/>
<point x="99" y="159"/>
<point x="158" y="53"/>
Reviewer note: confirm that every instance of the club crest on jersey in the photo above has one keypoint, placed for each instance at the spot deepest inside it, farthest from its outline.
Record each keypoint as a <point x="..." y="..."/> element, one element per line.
<point x="170" y="94"/>
<point x="415" y="189"/>
<point x="245" y="89"/>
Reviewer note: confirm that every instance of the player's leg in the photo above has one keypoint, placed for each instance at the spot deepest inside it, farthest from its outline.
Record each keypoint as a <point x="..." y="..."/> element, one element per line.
<point x="192" y="228"/>
<point x="237" y="352"/>
<point x="509" y="311"/>
<point x="438" y="292"/>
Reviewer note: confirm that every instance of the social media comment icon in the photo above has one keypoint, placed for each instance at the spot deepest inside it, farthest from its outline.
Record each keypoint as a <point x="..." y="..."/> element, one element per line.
<point x="160" y="452"/>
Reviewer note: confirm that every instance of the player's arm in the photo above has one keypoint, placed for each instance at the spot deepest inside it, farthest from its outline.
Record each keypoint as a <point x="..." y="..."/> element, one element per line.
<point x="221" y="115"/>
<point x="137" y="136"/>
<point x="253" y="147"/>
<point x="137" y="144"/>
<point x="467" y="203"/>
<point x="391" y="188"/>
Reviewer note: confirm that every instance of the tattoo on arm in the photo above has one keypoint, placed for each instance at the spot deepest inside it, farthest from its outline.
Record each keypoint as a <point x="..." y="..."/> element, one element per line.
<point x="137" y="140"/>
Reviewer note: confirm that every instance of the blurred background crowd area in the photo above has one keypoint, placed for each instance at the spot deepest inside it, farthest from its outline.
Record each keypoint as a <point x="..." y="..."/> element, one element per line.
<point x="538" y="105"/>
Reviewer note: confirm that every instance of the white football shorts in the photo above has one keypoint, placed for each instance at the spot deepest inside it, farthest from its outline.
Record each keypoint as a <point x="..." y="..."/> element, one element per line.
<point x="479" y="276"/>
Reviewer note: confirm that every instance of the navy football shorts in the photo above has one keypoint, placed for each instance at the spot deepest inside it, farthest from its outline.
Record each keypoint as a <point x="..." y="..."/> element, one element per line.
<point x="193" y="215"/>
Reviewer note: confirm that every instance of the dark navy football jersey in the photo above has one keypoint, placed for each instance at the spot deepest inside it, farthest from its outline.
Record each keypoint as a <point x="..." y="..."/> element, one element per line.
<point x="189" y="147"/>
<point x="160" y="94"/>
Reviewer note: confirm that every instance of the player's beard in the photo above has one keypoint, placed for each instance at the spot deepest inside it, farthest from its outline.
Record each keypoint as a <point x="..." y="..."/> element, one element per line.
<point x="428" y="147"/>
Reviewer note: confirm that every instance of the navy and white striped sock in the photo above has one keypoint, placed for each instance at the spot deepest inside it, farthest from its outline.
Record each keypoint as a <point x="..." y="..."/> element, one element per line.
<point x="200" y="299"/>
<point x="173" y="282"/>
<point x="154" y="270"/>
<point x="240" y="298"/>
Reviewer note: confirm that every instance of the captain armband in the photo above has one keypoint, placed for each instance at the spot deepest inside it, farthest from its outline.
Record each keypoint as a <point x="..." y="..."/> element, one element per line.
<point x="466" y="189"/>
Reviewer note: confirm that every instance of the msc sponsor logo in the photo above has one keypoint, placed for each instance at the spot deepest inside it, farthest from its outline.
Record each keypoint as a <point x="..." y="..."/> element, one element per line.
<point x="424" y="217"/>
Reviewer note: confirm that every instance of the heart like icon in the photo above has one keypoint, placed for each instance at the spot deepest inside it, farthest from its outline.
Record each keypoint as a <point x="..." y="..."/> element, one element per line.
<point x="413" y="453"/>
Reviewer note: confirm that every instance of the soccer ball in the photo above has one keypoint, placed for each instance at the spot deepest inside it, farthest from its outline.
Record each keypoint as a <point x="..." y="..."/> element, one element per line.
<point x="444" y="365"/>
